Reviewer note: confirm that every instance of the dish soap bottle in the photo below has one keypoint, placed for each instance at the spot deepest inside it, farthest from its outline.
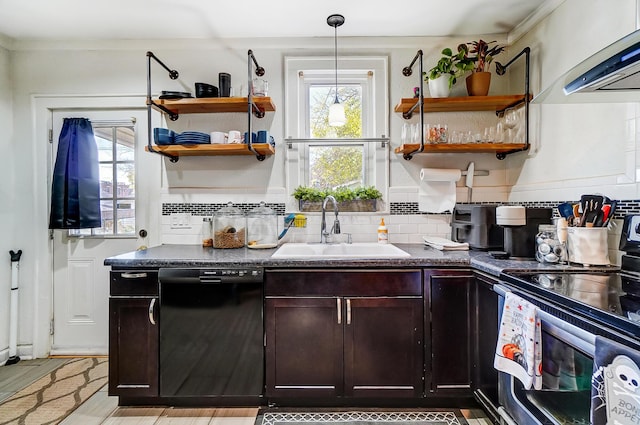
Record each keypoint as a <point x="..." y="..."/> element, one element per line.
<point x="383" y="233"/>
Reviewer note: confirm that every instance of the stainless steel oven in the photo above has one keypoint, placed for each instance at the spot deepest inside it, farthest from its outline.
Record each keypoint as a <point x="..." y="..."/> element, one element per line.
<point x="576" y="310"/>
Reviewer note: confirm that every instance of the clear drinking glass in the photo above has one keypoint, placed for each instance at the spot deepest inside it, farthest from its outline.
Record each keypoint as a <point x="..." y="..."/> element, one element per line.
<point x="511" y="118"/>
<point x="405" y="134"/>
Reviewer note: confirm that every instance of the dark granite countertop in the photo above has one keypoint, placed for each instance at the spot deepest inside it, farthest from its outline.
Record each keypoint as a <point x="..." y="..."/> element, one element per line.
<point x="421" y="256"/>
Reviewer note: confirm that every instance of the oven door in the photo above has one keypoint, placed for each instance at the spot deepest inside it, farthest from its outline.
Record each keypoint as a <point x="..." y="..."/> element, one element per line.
<point x="567" y="367"/>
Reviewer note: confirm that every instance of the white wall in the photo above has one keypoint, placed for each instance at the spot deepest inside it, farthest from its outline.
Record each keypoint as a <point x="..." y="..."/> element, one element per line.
<point x="578" y="148"/>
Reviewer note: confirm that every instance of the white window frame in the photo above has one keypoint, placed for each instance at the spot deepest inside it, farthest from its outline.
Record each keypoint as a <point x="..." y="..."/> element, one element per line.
<point x="370" y="70"/>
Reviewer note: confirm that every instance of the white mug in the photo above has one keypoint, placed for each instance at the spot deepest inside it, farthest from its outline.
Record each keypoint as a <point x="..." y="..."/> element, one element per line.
<point x="234" y="137"/>
<point x="218" y="137"/>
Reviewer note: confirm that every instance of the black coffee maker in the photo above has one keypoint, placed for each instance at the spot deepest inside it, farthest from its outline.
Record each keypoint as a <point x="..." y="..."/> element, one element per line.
<point x="520" y="229"/>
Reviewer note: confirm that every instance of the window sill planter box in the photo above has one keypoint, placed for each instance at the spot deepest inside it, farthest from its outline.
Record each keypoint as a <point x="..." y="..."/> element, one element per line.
<point x="359" y="205"/>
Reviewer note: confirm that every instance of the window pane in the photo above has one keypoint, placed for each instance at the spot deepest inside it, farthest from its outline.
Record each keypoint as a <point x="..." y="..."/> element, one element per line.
<point x="126" y="180"/>
<point x="321" y="97"/>
<point x="106" y="180"/>
<point x="336" y="166"/>
<point x="126" y="217"/>
<point x="125" y="147"/>
<point x="105" y="143"/>
<point x="106" y="210"/>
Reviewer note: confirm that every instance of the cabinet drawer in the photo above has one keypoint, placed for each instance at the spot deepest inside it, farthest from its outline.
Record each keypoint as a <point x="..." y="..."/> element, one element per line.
<point x="349" y="282"/>
<point x="134" y="282"/>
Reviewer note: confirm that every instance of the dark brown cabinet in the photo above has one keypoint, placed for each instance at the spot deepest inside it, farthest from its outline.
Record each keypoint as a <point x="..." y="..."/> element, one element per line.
<point x="344" y="333"/>
<point x="133" y="334"/>
<point x="449" y="331"/>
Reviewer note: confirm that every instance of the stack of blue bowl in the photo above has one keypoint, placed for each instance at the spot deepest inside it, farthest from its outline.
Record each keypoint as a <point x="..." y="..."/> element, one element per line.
<point x="164" y="136"/>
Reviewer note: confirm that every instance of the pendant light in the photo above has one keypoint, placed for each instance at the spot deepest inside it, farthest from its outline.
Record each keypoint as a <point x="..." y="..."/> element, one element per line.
<point x="336" y="111"/>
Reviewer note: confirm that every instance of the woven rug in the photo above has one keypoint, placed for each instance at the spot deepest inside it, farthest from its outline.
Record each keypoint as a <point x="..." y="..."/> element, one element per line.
<point x="436" y="417"/>
<point x="53" y="397"/>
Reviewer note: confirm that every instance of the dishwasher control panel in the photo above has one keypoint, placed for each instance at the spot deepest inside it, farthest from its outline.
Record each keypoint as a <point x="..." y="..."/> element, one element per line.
<point x="211" y="275"/>
<point x="230" y="275"/>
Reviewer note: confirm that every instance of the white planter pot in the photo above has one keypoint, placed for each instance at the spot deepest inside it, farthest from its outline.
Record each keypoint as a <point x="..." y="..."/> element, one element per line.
<point x="439" y="87"/>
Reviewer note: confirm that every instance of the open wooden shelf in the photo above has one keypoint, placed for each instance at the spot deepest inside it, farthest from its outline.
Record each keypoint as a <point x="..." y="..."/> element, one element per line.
<point x="203" y="105"/>
<point x="461" y="147"/>
<point x="214" y="150"/>
<point x="459" y="104"/>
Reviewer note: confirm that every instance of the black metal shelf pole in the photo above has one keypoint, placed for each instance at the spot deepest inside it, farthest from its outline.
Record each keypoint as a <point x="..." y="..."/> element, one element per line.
<point x="407" y="71"/>
<point x="173" y="74"/>
<point x="501" y="70"/>
<point x="251" y="106"/>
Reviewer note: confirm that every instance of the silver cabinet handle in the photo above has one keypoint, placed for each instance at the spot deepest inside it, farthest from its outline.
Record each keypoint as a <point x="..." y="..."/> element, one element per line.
<point x="348" y="311"/>
<point x="339" y="308"/>
<point x="152" y="304"/>
<point x="134" y="275"/>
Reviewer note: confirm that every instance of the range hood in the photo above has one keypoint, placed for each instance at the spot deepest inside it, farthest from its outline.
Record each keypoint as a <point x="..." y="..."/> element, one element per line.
<point x="611" y="75"/>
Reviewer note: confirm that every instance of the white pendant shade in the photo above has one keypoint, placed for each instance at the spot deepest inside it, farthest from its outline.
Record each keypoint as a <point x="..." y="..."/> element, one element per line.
<point x="336" y="115"/>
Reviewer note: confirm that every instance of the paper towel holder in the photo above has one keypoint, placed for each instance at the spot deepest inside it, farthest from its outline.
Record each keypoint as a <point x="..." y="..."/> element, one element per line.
<point x="477" y="172"/>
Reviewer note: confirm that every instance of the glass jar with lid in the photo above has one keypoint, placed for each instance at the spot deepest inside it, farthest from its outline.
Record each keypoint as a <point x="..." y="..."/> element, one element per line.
<point x="549" y="249"/>
<point x="262" y="227"/>
<point x="229" y="227"/>
<point x="206" y="232"/>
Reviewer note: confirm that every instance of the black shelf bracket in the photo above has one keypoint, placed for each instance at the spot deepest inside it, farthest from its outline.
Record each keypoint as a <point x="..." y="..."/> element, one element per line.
<point x="173" y="74"/>
<point x="501" y="70"/>
<point x="252" y="108"/>
<point x="407" y="71"/>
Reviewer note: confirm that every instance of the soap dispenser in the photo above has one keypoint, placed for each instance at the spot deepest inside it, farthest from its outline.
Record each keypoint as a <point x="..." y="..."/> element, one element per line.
<point x="383" y="233"/>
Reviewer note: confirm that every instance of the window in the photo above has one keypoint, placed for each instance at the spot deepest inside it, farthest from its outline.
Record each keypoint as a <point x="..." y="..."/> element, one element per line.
<point x="116" y="155"/>
<point x="324" y="160"/>
<point x="336" y="164"/>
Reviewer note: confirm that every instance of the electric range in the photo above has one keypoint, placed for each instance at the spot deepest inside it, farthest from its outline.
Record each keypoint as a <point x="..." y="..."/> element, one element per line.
<point x="611" y="298"/>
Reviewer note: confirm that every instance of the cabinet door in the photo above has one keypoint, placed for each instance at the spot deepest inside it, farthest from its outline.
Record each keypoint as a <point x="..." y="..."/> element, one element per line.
<point x="133" y="347"/>
<point x="449" y="333"/>
<point x="304" y="347"/>
<point x="383" y="350"/>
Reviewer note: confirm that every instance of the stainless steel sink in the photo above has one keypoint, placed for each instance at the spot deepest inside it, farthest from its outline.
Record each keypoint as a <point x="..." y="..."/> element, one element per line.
<point x="341" y="250"/>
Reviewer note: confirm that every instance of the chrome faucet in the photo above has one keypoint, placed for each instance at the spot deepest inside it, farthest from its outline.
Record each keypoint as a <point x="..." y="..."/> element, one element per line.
<point x="324" y="235"/>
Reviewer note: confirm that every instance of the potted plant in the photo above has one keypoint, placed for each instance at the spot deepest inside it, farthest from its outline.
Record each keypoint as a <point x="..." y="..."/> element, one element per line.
<point x="480" y="79"/>
<point x="362" y="199"/>
<point x="449" y="68"/>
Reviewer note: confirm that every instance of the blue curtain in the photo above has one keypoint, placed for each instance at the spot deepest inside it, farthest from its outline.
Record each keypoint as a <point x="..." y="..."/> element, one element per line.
<point x="75" y="192"/>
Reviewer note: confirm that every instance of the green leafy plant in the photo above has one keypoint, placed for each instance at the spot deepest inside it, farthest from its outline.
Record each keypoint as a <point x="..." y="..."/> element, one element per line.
<point x="312" y="194"/>
<point x="453" y="65"/>
<point x="484" y="54"/>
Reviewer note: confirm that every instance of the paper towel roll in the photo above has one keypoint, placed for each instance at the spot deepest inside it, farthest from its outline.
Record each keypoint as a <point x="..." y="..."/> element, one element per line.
<point x="437" y="189"/>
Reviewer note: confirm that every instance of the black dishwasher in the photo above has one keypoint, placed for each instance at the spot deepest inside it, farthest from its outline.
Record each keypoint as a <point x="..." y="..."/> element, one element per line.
<point x="211" y="334"/>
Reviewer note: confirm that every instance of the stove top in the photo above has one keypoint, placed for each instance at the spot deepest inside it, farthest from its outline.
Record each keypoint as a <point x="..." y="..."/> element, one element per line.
<point x="612" y="298"/>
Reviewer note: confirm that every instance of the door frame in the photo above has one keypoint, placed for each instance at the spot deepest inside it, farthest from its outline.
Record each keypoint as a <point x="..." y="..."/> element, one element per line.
<point x="42" y="107"/>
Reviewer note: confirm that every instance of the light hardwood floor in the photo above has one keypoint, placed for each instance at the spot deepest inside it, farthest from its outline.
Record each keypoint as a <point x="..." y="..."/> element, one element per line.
<point x="101" y="409"/>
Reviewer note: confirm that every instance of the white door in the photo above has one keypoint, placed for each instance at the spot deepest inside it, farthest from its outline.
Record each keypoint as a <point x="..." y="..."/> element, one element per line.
<point x="80" y="278"/>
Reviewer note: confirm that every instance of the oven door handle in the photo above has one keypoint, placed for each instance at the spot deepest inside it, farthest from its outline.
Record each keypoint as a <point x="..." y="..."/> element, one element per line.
<point x="557" y="327"/>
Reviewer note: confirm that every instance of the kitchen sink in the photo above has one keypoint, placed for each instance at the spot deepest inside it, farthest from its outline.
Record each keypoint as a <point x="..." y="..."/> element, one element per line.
<point x="341" y="250"/>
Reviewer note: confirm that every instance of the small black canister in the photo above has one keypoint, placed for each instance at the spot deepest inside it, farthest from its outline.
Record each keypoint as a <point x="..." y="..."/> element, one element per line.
<point x="224" y="83"/>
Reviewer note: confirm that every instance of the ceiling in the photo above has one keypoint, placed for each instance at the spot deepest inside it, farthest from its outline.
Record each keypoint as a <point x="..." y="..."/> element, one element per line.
<point x="32" y="20"/>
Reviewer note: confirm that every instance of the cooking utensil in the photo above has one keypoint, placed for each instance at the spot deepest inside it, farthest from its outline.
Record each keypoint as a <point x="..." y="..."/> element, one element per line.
<point x="612" y="210"/>
<point x="469" y="180"/>
<point x="591" y="205"/>
<point x="565" y="209"/>
<point x="576" y="215"/>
